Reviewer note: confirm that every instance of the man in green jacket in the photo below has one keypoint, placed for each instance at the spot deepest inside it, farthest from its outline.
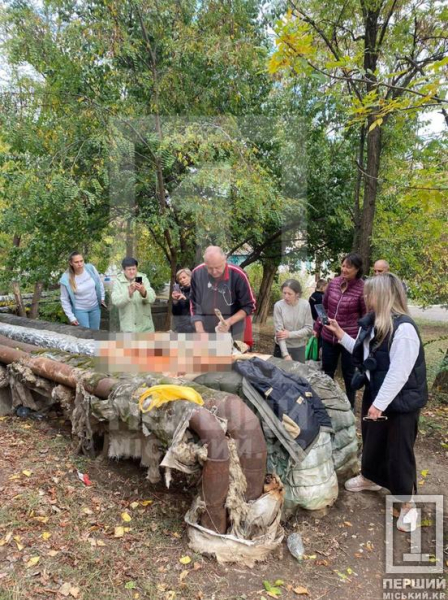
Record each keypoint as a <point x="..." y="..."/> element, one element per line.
<point x="133" y="295"/>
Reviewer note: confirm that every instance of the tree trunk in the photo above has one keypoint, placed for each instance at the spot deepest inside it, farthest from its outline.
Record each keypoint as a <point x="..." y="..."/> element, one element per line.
<point x="440" y="384"/>
<point x="129" y="238"/>
<point x="34" y="312"/>
<point x="358" y="187"/>
<point x="264" y="295"/>
<point x="19" y="301"/>
<point x="173" y="267"/>
<point x="370" y="194"/>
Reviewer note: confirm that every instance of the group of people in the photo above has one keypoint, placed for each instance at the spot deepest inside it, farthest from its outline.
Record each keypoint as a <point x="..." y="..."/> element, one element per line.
<point x="368" y="328"/>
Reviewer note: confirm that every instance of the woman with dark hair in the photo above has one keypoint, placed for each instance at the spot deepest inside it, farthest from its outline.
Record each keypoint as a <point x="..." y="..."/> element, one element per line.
<point x="181" y="302"/>
<point x="343" y="301"/>
<point x="293" y="323"/>
<point x="133" y="295"/>
<point x="389" y="355"/>
<point x="82" y="292"/>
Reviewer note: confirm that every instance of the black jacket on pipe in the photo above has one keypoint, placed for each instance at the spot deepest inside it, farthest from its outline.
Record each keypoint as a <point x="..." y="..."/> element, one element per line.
<point x="287" y="394"/>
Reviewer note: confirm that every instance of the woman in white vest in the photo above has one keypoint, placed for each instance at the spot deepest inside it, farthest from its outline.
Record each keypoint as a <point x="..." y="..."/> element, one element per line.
<point x="82" y="292"/>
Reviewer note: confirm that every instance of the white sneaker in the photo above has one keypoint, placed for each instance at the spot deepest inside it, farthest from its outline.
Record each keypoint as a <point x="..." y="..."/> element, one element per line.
<point x="408" y="519"/>
<point x="361" y="484"/>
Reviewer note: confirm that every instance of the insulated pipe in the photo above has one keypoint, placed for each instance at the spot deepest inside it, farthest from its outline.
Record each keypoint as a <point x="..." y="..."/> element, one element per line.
<point x="215" y="478"/>
<point x="244" y="427"/>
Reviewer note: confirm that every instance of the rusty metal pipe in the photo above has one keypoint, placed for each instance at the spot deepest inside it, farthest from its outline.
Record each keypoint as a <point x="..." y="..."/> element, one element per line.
<point x="215" y="478"/>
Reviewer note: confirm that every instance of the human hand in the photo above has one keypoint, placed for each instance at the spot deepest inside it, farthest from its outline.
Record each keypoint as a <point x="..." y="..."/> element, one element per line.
<point x="132" y="289"/>
<point x="75" y="322"/>
<point x="223" y="327"/>
<point x="374" y="413"/>
<point x="334" y="327"/>
<point x="282" y="335"/>
<point x="316" y="334"/>
<point x="141" y="289"/>
<point x="103" y="304"/>
<point x="287" y="357"/>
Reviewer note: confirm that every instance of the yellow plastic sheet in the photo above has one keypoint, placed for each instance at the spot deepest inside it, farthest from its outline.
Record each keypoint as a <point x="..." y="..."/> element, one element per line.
<point x="168" y="393"/>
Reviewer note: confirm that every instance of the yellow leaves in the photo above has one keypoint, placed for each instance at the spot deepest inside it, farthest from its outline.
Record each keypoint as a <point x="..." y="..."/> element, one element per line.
<point x="6" y="539"/>
<point x="46" y="535"/>
<point x="185" y="560"/>
<point x="126" y="517"/>
<point x="134" y="505"/>
<point x="41" y="519"/>
<point x="17" y="540"/>
<point x="27" y="473"/>
<point x="33" y="561"/>
<point x="295" y="45"/>
<point x="146" y="502"/>
<point x="119" y="532"/>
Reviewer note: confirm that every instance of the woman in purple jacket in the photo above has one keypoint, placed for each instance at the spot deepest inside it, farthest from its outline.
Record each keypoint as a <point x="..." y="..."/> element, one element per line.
<point x="343" y="301"/>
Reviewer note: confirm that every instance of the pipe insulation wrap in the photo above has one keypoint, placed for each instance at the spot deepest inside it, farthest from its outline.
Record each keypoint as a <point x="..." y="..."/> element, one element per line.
<point x="48" y="339"/>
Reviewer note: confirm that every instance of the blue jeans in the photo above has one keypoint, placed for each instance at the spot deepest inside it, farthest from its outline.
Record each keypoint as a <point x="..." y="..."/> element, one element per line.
<point x="88" y="318"/>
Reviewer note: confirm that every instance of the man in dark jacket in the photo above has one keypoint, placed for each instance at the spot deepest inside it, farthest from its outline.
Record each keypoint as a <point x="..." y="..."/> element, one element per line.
<point x="216" y="284"/>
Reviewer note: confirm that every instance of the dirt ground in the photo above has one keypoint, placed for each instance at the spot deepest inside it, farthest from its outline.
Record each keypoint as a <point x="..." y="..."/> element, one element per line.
<point x="122" y="538"/>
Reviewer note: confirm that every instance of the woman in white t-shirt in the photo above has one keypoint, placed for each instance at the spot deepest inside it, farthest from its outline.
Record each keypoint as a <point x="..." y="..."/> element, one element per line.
<point x="82" y="293"/>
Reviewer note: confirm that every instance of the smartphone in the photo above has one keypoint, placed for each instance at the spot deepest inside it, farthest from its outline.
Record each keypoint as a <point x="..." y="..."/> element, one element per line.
<point x="176" y="287"/>
<point x="139" y="280"/>
<point x="322" y="314"/>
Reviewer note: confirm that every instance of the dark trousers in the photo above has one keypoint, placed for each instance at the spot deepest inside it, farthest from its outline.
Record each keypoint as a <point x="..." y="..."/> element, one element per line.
<point x="330" y="358"/>
<point x="388" y="456"/>
<point x="297" y="354"/>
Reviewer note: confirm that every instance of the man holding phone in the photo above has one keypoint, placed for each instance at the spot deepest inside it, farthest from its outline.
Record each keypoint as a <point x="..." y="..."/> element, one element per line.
<point x="132" y="295"/>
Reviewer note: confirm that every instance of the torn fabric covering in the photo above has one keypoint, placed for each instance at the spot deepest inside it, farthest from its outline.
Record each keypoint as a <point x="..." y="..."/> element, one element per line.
<point x="23" y="382"/>
<point x="255" y="529"/>
<point x="48" y="339"/>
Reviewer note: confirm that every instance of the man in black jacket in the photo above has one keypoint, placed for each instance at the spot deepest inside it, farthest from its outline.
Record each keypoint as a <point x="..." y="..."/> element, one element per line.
<point x="218" y="284"/>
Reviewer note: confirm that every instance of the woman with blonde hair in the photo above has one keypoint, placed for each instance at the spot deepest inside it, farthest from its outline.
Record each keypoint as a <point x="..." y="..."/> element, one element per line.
<point x="181" y="302"/>
<point x="390" y="361"/>
<point x="82" y="292"/>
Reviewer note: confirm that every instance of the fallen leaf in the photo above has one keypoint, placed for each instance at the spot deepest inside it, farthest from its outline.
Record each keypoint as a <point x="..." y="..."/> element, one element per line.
<point x="46" y="535"/>
<point x="426" y="523"/>
<point x="176" y="535"/>
<point x="65" y="589"/>
<point x="119" y="532"/>
<point x="87" y="511"/>
<point x="32" y="561"/>
<point x="146" y="502"/>
<point x="424" y="473"/>
<point x="126" y="517"/>
<point x="42" y="519"/>
<point x="185" y="560"/>
<point x="100" y="543"/>
<point x="27" y="473"/>
<point x="348" y="524"/>
<point x="134" y="505"/>
<point x="299" y="590"/>
<point x="369" y="546"/>
<point x="183" y="575"/>
<point x="53" y="553"/>
<point x="74" y="592"/>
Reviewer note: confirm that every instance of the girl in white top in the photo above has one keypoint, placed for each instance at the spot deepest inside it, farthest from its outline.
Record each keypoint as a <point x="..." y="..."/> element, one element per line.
<point x="82" y="293"/>
<point x="293" y="323"/>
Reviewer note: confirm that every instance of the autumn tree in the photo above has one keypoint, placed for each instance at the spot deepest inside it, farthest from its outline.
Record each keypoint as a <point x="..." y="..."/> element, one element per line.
<point x="379" y="58"/>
